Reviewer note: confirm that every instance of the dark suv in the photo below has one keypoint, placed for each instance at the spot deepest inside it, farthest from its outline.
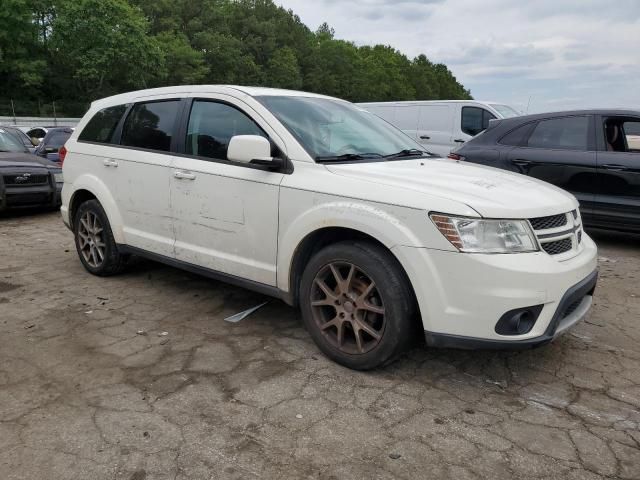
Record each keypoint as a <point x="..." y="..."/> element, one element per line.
<point x="25" y="179"/>
<point x="594" y="154"/>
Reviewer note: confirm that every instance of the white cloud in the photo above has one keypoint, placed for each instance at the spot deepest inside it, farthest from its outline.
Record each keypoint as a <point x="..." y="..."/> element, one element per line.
<point x="561" y="53"/>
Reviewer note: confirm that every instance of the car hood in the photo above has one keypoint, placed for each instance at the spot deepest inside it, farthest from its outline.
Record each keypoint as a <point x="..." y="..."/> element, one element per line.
<point x="489" y="191"/>
<point x="12" y="159"/>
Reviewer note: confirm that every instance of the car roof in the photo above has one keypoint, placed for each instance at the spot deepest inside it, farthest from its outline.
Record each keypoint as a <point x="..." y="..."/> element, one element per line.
<point x="139" y="95"/>
<point x="568" y="113"/>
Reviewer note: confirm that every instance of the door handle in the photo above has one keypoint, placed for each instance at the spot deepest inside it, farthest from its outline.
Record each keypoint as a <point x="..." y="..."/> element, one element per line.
<point x="425" y="137"/>
<point x="109" y="163"/>
<point x="521" y="162"/>
<point x="459" y="140"/>
<point x="613" y="166"/>
<point x="184" y="175"/>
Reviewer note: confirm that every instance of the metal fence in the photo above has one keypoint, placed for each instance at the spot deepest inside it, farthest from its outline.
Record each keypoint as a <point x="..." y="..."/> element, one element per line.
<point x="11" y="107"/>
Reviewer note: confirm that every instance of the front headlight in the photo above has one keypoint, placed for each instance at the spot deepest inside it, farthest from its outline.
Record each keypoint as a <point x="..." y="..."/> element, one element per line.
<point x="58" y="177"/>
<point x="477" y="235"/>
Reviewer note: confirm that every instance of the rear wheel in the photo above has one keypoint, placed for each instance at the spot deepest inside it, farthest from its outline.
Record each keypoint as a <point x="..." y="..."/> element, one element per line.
<point x="356" y="304"/>
<point x="94" y="240"/>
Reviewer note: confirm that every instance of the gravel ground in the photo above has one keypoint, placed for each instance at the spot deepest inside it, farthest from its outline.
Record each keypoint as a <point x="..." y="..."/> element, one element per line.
<point x="91" y="386"/>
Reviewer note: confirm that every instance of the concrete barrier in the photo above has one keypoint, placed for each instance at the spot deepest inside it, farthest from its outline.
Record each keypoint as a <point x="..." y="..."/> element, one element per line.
<point x="39" y="121"/>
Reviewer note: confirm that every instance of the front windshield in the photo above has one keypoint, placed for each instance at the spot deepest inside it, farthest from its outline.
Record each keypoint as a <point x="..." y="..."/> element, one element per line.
<point x="8" y="143"/>
<point x="329" y="128"/>
<point x="505" y="110"/>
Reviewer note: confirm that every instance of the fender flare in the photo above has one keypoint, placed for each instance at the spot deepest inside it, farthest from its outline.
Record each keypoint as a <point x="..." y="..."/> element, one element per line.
<point x="94" y="185"/>
<point x="362" y="217"/>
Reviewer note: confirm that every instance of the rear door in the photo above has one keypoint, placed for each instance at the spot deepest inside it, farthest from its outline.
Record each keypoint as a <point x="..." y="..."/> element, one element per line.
<point x="140" y="174"/>
<point x="435" y="128"/>
<point x="618" y="196"/>
<point x="561" y="151"/>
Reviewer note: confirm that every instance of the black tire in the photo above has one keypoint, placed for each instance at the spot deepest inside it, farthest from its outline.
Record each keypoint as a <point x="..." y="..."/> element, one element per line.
<point x="111" y="261"/>
<point x="388" y="312"/>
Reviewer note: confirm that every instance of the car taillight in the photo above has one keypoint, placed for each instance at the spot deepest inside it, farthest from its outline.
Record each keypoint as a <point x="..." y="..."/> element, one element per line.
<point x="455" y="156"/>
<point x="61" y="154"/>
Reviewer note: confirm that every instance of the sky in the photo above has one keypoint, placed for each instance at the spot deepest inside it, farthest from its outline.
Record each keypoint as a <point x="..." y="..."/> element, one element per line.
<point x="536" y="55"/>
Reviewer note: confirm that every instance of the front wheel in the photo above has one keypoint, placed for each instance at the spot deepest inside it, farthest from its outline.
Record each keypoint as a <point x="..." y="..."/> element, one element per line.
<point x="356" y="304"/>
<point x="94" y="240"/>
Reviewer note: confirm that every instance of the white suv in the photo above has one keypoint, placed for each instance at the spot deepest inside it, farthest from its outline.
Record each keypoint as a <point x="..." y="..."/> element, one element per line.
<point x="322" y="204"/>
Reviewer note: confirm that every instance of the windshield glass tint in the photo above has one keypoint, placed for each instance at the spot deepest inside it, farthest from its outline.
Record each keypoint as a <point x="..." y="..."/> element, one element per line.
<point x="8" y="143"/>
<point x="327" y="127"/>
<point x="505" y="110"/>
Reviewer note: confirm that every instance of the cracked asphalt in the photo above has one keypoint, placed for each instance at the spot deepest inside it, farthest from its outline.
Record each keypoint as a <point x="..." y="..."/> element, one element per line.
<point x="91" y="388"/>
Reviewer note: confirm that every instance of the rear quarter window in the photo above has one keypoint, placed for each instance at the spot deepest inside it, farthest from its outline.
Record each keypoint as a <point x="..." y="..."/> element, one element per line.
<point x="151" y="125"/>
<point x="102" y="126"/>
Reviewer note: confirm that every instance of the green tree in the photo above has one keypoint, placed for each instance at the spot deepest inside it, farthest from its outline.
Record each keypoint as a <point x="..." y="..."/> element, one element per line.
<point x="283" y="70"/>
<point x="104" y="48"/>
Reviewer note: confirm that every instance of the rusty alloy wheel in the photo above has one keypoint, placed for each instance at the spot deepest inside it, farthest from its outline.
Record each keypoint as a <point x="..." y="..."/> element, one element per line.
<point x="91" y="242"/>
<point x="347" y="308"/>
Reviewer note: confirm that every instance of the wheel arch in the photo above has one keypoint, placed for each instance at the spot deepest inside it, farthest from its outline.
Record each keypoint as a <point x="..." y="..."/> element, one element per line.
<point x="322" y="237"/>
<point x="89" y="188"/>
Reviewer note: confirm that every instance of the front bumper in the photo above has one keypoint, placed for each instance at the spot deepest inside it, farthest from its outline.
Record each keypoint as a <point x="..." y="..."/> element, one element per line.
<point x="462" y="296"/>
<point x="565" y="317"/>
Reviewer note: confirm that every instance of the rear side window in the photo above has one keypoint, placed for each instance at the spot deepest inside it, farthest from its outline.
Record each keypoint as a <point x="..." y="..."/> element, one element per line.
<point x="475" y="120"/>
<point x="211" y="126"/>
<point x="518" y="136"/>
<point x="151" y="125"/>
<point x="102" y="125"/>
<point x="57" y="139"/>
<point x="568" y="133"/>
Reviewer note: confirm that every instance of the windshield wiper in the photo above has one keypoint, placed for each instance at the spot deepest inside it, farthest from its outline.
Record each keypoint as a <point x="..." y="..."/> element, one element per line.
<point x="347" y="156"/>
<point x="408" y="152"/>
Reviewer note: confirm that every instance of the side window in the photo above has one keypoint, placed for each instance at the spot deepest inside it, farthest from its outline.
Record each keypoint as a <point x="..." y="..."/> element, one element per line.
<point x="568" y="133"/>
<point x="150" y="125"/>
<point x="211" y="126"/>
<point x="518" y="136"/>
<point x="57" y="139"/>
<point x="475" y="120"/>
<point x="632" y="133"/>
<point x="102" y="125"/>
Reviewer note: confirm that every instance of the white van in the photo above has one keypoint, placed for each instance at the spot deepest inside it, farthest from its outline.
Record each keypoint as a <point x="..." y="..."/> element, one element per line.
<point x="440" y="125"/>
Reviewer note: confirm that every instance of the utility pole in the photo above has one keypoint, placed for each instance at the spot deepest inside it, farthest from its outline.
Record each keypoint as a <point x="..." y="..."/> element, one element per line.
<point x="55" y="117"/>
<point x="13" y="110"/>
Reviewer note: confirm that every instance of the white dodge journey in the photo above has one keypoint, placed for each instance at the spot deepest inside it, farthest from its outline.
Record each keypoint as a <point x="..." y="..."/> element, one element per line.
<point x="322" y="204"/>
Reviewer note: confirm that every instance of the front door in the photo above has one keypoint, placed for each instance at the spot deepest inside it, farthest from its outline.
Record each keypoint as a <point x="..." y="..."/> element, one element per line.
<point x="561" y="151"/>
<point x="225" y="214"/>
<point x="618" y="196"/>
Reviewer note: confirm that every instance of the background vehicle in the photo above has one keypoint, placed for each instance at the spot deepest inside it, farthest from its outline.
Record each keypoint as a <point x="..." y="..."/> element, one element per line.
<point x="25" y="179"/>
<point x="322" y="204"/>
<point x="21" y="137"/>
<point x="590" y="153"/>
<point x="441" y="125"/>
<point x="52" y="142"/>
<point x="37" y="133"/>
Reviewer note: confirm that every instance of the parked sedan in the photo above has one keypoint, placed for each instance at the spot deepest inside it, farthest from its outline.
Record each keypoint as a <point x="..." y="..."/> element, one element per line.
<point x="25" y="179"/>
<point x="594" y="154"/>
<point x="52" y="142"/>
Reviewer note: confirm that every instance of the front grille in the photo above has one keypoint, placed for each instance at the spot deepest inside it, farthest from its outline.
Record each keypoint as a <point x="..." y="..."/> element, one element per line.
<point x="20" y="179"/>
<point x="28" y="199"/>
<point x="545" y="223"/>
<point x="557" y="247"/>
<point x="571" y="308"/>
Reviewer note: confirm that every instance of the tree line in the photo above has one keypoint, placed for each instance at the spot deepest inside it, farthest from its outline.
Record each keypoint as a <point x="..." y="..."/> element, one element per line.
<point x="75" y="51"/>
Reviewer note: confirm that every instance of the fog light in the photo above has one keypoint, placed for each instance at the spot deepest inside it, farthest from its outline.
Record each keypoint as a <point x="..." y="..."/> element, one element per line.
<point x="518" y="321"/>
